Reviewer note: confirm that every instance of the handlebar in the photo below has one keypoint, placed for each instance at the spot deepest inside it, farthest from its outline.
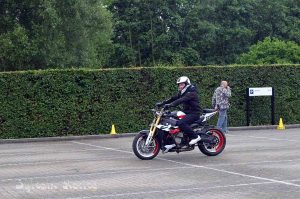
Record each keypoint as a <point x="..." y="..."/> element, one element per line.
<point x="161" y="111"/>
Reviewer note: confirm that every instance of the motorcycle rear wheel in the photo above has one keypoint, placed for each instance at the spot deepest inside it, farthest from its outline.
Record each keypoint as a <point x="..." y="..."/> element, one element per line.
<point x="213" y="150"/>
<point x="143" y="152"/>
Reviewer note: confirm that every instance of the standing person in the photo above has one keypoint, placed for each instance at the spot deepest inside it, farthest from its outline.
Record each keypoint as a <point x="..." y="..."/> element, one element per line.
<point x="187" y="96"/>
<point x="220" y="101"/>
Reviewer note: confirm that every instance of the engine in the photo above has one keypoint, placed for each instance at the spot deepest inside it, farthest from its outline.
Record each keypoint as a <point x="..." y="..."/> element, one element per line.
<point x="179" y="137"/>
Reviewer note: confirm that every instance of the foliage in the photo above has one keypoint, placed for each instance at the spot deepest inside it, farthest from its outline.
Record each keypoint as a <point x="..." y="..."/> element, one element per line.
<point x="210" y="32"/>
<point x="272" y="51"/>
<point x="15" y="49"/>
<point x="51" y="33"/>
<point x="43" y="34"/>
<point x="87" y="101"/>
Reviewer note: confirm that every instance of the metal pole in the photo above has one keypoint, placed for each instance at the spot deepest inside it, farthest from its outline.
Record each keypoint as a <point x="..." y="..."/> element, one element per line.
<point x="247" y="107"/>
<point x="273" y="106"/>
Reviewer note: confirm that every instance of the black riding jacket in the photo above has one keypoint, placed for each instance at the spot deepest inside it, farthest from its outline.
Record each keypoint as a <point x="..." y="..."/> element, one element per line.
<point x="189" y="100"/>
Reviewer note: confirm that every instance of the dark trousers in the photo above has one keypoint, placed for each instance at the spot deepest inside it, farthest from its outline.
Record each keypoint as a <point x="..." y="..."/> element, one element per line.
<point x="184" y="124"/>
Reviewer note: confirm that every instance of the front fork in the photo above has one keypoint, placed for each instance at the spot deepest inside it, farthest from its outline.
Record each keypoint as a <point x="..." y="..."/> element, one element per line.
<point x="152" y="130"/>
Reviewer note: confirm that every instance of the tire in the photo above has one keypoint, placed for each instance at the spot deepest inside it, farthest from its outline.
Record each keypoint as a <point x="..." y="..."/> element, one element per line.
<point x="216" y="149"/>
<point x="139" y="149"/>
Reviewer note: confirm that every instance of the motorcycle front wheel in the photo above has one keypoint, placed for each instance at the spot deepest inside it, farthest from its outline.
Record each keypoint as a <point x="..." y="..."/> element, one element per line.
<point x="143" y="152"/>
<point x="213" y="149"/>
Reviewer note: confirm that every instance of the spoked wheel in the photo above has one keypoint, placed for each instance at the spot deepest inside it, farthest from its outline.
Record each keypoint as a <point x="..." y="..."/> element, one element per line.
<point x="217" y="147"/>
<point x="143" y="152"/>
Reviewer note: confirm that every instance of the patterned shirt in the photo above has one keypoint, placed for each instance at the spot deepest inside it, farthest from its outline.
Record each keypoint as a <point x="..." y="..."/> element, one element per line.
<point x="221" y="98"/>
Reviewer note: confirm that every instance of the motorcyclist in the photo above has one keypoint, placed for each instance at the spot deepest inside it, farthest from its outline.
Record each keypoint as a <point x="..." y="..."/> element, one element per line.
<point x="188" y="97"/>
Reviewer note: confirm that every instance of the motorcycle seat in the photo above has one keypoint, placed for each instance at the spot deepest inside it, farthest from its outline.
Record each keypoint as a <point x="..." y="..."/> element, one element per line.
<point x="207" y="110"/>
<point x="198" y="122"/>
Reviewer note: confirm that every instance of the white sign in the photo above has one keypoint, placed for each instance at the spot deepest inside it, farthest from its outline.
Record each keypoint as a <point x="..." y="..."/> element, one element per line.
<point x="261" y="91"/>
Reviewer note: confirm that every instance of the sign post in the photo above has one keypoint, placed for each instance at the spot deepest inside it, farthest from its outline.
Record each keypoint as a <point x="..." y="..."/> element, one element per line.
<point x="260" y="91"/>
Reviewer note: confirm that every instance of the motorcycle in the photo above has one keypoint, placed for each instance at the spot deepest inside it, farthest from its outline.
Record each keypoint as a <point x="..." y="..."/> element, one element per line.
<point x="166" y="136"/>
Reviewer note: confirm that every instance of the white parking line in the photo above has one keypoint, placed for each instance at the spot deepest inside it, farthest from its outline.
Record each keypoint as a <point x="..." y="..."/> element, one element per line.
<point x="101" y="147"/>
<point x="204" y="167"/>
<point x="69" y="161"/>
<point x="258" y="162"/>
<point x="171" y="190"/>
<point x="233" y="173"/>
<point x="47" y="151"/>
<point x="264" y="138"/>
<point x="109" y="171"/>
<point x="124" y="157"/>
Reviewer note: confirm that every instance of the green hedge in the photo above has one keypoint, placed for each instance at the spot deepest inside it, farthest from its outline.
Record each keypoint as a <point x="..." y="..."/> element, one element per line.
<point x="77" y="102"/>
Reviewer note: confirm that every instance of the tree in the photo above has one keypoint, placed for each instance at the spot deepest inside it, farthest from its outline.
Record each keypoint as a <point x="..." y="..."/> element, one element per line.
<point x="191" y="32"/>
<point x="15" y="49"/>
<point x="38" y="34"/>
<point x="53" y="33"/>
<point x="87" y="28"/>
<point x="272" y="51"/>
<point x="151" y="31"/>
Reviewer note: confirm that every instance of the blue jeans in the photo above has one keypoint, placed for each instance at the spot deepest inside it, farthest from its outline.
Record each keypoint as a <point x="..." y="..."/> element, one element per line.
<point x="222" y="121"/>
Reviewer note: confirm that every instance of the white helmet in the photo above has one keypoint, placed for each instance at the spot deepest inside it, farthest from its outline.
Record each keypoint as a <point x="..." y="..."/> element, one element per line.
<point x="183" y="79"/>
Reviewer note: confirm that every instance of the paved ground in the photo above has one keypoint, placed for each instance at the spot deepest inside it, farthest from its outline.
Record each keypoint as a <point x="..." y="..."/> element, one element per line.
<point x="255" y="164"/>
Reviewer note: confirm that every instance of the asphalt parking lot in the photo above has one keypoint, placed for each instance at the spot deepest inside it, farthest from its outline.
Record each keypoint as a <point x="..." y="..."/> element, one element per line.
<point x="254" y="164"/>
